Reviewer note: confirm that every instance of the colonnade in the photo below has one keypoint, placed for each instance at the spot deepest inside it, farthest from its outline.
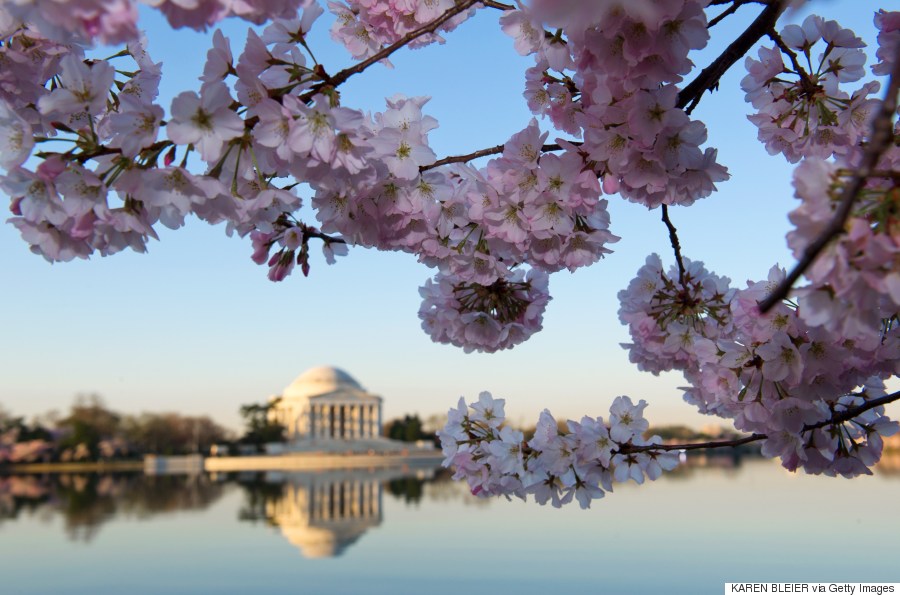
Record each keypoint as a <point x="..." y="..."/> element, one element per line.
<point x="344" y="421"/>
<point x="327" y="501"/>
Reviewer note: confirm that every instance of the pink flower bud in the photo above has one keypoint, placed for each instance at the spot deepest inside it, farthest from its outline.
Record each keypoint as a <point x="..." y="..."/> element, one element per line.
<point x="169" y="156"/>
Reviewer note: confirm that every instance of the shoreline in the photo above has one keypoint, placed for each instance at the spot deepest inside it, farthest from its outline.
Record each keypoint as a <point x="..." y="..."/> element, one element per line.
<point x="158" y="464"/>
<point x="86" y="466"/>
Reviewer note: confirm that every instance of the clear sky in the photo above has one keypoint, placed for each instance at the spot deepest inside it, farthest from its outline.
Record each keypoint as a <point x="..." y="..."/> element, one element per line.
<point x="194" y="326"/>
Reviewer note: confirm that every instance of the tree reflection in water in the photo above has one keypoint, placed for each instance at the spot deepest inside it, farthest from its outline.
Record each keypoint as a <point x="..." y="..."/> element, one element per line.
<point x="340" y="505"/>
<point x="88" y="500"/>
<point x="322" y="513"/>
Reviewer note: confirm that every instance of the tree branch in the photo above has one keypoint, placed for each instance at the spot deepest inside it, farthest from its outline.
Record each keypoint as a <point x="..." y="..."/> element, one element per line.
<point x="709" y="76"/>
<point x="496" y="150"/>
<point x="676" y="245"/>
<point x="696" y="445"/>
<point x="881" y="137"/>
<point x="721" y="2"/>
<point x="836" y="419"/>
<point x="464" y="158"/>
<point x="774" y="36"/>
<point x="725" y="13"/>
<point x="497" y="5"/>
<point x="431" y="27"/>
<point x="313" y="232"/>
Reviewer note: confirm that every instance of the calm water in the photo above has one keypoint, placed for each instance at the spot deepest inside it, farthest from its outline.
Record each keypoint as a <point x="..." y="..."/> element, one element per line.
<point x="341" y="532"/>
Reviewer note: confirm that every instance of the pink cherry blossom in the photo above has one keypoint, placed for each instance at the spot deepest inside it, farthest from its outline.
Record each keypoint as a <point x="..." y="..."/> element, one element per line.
<point x="205" y="121"/>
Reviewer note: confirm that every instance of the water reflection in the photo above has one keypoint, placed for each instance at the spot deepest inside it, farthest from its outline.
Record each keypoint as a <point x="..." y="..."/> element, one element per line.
<point x="323" y="513"/>
<point x="396" y="532"/>
<point x="88" y="501"/>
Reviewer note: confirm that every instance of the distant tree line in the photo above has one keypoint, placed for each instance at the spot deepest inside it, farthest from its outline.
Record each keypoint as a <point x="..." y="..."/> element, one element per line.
<point x="92" y="431"/>
<point x="259" y="428"/>
<point x="409" y="428"/>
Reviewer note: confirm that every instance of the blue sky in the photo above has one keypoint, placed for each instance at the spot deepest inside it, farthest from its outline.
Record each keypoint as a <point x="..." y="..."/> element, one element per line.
<point x="195" y="326"/>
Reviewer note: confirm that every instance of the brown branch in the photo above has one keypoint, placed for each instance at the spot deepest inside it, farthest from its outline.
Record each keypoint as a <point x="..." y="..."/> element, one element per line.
<point x="695" y="445"/>
<point x="497" y="5"/>
<point x="496" y="150"/>
<point x="464" y="158"/>
<point x="312" y="232"/>
<point x="854" y="411"/>
<point x="709" y="76"/>
<point x="343" y="75"/>
<point x="836" y="419"/>
<point x="101" y="151"/>
<point x="725" y="13"/>
<point x="721" y="2"/>
<point x="676" y="245"/>
<point x="881" y="137"/>
<point x="874" y="174"/>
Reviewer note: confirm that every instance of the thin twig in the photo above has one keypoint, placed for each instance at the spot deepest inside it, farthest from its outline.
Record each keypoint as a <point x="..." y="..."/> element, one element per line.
<point x="431" y="27"/>
<point x="881" y="137"/>
<point x="676" y="245"/>
<point x="495" y="150"/>
<point x="725" y="13"/>
<point x="709" y="76"/>
<point x="837" y="419"/>
<point x="464" y="158"/>
<point x="102" y="150"/>
<point x="774" y="36"/>
<point x="695" y="445"/>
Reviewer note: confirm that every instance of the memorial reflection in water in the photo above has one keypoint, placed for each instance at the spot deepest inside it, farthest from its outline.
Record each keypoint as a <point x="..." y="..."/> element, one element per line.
<point x="322" y="513"/>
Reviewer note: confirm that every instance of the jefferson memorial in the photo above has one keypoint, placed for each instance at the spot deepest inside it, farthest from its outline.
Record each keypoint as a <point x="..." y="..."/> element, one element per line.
<point x="327" y="409"/>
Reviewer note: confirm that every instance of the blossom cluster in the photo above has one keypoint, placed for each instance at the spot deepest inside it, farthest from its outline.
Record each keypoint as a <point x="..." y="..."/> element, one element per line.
<point x="854" y="284"/>
<point x="776" y="374"/>
<point x="803" y="109"/>
<point x="675" y="318"/>
<point x="116" y="21"/>
<point x="484" y="317"/>
<point x="579" y="461"/>
<point x="613" y="79"/>
<point x="365" y="26"/>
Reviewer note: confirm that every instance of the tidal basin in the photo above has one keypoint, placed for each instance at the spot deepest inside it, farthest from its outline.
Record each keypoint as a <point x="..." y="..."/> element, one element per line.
<point x="396" y="530"/>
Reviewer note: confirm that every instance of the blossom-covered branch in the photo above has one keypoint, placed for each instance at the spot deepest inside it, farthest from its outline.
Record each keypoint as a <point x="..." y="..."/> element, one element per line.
<point x="837" y="418"/>
<point x="582" y="460"/>
<point x="881" y="137"/>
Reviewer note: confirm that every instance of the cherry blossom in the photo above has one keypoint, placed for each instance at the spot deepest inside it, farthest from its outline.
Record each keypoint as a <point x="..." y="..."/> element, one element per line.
<point x="556" y="465"/>
<point x="16" y="138"/>
<point x="205" y="121"/>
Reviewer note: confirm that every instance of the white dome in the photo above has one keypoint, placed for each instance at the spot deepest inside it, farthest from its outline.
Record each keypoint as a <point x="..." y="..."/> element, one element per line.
<point x="319" y="381"/>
